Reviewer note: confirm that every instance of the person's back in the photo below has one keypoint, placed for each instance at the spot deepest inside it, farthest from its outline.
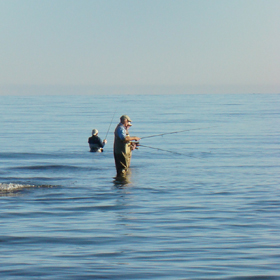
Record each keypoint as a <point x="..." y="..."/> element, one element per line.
<point x="95" y="143"/>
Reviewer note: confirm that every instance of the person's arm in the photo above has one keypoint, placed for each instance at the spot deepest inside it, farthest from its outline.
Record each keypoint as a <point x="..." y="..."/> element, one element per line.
<point x="100" y="143"/>
<point x="131" y="138"/>
<point x="103" y="142"/>
<point x="126" y="138"/>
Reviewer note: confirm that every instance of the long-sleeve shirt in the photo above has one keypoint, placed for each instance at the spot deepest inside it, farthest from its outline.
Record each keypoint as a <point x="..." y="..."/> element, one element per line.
<point x="121" y="131"/>
<point x="95" y="140"/>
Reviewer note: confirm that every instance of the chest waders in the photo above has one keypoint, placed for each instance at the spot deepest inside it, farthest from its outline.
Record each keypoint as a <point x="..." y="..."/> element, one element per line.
<point x="122" y="155"/>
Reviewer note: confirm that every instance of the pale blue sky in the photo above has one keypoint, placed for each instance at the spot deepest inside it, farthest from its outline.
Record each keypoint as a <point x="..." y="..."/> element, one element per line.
<point x="229" y="44"/>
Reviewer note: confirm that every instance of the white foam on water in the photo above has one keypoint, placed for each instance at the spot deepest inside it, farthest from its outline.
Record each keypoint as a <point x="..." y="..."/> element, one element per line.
<point x="14" y="187"/>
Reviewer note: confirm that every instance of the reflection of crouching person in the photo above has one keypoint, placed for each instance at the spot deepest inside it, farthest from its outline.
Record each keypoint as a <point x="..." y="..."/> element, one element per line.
<point x="95" y="143"/>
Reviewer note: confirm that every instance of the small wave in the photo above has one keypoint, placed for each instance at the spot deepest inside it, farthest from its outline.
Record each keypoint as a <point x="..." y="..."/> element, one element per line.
<point x="45" y="167"/>
<point x="54" y="167"/>
<point x="11" y="187"/>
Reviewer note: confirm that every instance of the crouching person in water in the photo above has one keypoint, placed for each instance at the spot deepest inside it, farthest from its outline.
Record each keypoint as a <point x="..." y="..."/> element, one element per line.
<point x="123" y="146"/>
<point x="95" y="143"/>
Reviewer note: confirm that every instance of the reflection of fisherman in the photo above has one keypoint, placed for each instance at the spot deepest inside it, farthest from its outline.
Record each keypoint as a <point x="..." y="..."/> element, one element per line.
<point x="95" y="143"/>
<point x="123" y="146"/>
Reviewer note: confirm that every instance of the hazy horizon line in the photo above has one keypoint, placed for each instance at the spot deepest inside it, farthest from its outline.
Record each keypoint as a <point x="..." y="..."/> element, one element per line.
<point x="51" y="89"/>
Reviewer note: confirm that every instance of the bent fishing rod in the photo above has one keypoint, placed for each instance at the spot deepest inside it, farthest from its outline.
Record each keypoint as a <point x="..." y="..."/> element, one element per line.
<point x="176" y="132"/>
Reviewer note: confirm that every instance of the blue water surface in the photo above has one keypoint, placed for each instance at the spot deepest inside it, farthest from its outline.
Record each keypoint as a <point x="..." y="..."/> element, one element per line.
<point x="203" y="203"/>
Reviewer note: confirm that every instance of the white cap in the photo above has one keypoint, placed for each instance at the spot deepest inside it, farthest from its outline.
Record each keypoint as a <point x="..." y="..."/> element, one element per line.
<point x="94" y="132"/>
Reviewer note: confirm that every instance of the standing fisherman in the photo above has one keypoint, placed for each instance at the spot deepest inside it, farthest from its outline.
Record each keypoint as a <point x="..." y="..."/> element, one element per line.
<point x="95" y="142"/>
<point x="122" y="146"/>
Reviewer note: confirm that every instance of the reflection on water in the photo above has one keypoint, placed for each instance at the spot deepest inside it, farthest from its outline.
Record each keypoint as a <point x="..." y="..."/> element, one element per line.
<point x="123" y="181"/>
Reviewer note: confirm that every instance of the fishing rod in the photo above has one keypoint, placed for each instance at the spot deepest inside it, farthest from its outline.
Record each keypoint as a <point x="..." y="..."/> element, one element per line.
<point x="175" y="132"/>
<point x="110" y="124"/>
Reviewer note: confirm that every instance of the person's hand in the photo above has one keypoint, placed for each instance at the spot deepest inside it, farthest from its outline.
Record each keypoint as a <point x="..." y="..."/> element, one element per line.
<point x="137" y="139"/>
<point x="105" y="141"/>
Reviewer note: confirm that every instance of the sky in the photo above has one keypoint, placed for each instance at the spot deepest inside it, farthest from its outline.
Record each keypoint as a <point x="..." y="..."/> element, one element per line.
<point x="197" y="46"/>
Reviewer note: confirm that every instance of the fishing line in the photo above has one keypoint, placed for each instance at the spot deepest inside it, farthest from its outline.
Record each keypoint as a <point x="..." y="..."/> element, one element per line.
<point x="110" y="124"/>
<point x="160" y="149"/>
<point x="167" y="151"/>
<point x="175" y="132"/>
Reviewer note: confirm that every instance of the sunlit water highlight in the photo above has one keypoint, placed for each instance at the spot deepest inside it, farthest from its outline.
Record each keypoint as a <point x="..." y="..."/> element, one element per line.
<point x="210" y="212"/>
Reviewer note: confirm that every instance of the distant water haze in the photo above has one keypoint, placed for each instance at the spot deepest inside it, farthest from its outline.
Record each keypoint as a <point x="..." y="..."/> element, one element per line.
<point x="135" y="89"/>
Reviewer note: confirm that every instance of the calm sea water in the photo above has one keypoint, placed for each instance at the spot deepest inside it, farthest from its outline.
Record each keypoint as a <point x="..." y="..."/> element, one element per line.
<point x="206" y="208"/>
